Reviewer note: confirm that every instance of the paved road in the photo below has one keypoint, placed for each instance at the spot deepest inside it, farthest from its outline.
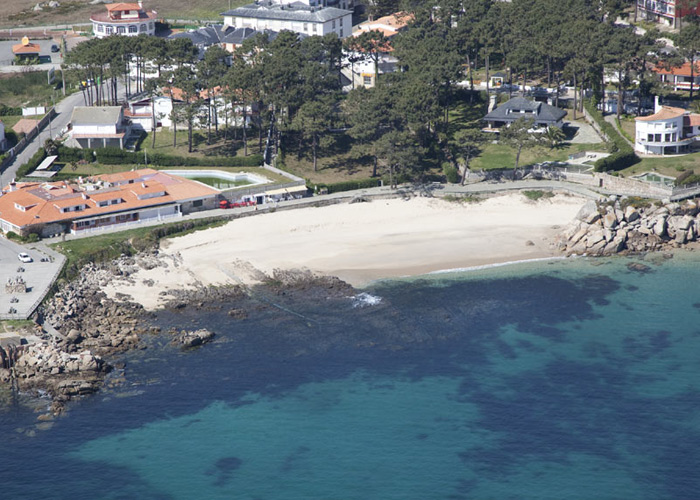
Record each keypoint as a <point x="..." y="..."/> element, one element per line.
<point x="64" y="109"/>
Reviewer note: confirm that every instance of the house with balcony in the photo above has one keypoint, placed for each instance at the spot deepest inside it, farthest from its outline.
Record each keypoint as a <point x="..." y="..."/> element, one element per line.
<point x="298" y="17"/>
<point x="124" y="19"/>
<point x="668" y="131"/>
<point x="98" y="127"/>
<point x="542" y="114"/>
<point x="89" y="204"/>
<point x="668" y="12"/>
<point x="679" y="77"/>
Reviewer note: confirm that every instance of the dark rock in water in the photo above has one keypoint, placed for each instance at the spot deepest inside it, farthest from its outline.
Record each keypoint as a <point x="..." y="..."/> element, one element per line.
<point x="238" y="313"/>
<point x="188" y="339"/>
<point x="638" y="267"/>
<point x="228" y="464"/>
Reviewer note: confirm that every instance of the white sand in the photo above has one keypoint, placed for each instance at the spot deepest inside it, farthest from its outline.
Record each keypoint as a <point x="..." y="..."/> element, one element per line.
<point x="360" y="242"/>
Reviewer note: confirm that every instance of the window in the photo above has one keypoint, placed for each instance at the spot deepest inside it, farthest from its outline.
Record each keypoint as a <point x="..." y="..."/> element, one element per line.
<point x="100" y="28"/>
<point x="650" y="137"/>
<point x="121" y="30"/>
<point x="341" y="32"/>
<point x="143" y="28"/>
<point x="197" y="203"/>
<point x="314" y="27"/>
<point x="110" y="30"/>
<point x="306" y="26"/>
<point x="367" y="80"/>
<point x="132" y="29"/>
<point x="333" y="23"/>
<point x="150" y="25"/>
<point x="341" y="21"/>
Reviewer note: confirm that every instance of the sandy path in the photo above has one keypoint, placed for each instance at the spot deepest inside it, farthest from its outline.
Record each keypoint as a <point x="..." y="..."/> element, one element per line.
<point x="361" y="242"/>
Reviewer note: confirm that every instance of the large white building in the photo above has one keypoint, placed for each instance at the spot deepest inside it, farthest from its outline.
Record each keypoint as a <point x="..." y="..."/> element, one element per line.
<point x="126" y="19"/>
<point x="668" y="131"/>
<point x="297" y="16"/>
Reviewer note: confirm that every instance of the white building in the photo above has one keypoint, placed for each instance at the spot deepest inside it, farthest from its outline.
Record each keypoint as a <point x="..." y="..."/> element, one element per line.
<point x="98" y="127"/>
<point x="297" y="17"/>
<point x="668" y="131"/>
<point x="358" y="67"/>
<point x="126" y="19"/>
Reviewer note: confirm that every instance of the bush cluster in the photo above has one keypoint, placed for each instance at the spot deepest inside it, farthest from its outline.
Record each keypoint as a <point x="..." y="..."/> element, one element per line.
<point x="116" y="156"/>
<point x="31" y="165"/>
<point x="616" y="161"/>
<point x="622" y="155"/>
<point x="347" y="185"/>
<point x="8" y="111"/>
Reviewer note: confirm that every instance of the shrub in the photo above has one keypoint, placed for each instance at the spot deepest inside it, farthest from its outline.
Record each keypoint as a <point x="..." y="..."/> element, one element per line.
<point x="620" y="144"/>
<point x="116" y="156"/>
<point x="537" y="194"/>
<point x="680" y="180"/>
<point x="347" y="185"/>
<point x="33" y="162"/>
<point x="616" y="161"/>
<point x="451" y="173"/>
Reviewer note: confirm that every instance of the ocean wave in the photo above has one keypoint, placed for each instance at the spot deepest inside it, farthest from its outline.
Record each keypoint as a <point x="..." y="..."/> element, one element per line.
<point x="497" y="264"/>
<point x="365" y="299"/>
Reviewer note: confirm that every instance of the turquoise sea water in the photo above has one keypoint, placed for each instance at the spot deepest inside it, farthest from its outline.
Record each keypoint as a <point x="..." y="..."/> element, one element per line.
<point x="574" y="379"/>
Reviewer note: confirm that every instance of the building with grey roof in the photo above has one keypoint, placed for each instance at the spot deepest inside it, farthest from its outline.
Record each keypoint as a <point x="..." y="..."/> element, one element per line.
<point x="219" y="34"/>
<point x="543" y="114"/>
<point x="297" y="17"/>
<point x="97" y="126"/>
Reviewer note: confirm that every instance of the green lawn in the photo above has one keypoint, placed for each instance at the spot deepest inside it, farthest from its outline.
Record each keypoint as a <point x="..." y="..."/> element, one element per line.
<point x="665" y="166"/>
<point x="85" y="170"/>
<point x="500" y="156"/>
<point x="218" y="147"/>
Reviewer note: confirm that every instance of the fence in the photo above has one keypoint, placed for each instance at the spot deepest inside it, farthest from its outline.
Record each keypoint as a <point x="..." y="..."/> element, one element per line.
<point x="19" y="147"/>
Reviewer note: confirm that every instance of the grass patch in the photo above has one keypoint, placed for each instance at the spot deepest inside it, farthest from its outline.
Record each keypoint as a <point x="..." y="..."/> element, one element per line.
<point x="105" y="247"/>
<point x="27" y="89"/>
<point x="496" y="156"/>
<point x="12" y="325"/>
<point x="218" y="146"/>
<point x="537" y="195"/>
<point x="664" y="165"/>
<point x="461" y="199"/>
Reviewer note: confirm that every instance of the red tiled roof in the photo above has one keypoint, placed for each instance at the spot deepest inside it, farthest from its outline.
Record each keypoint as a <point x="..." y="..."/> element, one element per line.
<point x="30" y="48"/>
<point x="682" y="70"/>
<point x="665" y="113"/>
<point x="692" y="120"/>
<point x="42" y="204"/>
<point x="123" y="6"/>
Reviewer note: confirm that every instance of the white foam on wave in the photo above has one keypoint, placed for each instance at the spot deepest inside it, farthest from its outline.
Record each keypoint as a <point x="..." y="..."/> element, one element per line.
<point x="497" y="264"/>
<point x="365" y="299"/>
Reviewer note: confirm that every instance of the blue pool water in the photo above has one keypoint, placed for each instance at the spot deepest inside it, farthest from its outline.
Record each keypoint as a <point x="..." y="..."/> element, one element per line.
<point x="568" y="379"/>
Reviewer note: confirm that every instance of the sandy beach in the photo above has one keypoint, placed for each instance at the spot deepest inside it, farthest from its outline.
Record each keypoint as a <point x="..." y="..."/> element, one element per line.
<point x="359" y="242"/>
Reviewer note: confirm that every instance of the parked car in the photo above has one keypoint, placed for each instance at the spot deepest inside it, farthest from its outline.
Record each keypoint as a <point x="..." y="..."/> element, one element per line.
<point x="25" y="257"/>
<point x="54" y="48"/>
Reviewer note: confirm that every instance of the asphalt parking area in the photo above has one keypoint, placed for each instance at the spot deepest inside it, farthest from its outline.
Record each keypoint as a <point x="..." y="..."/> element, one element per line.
<point x="37" y="277"/>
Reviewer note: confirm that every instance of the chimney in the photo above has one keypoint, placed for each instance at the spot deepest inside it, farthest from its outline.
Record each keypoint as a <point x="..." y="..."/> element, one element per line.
<point x="13" y="185"/>
<point x="657" y="106"/>
<point x="140" y="4"/>
<point x="143" y="185"/>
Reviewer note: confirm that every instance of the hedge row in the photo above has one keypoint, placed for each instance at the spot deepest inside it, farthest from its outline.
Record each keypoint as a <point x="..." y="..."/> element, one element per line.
<point x="8" y="111"/>
<point x="116" y="156"/>
<point x="31" y="165"/>
<point x="623" y="154"/>
<point x="348" y="185"/>
<point x="616" y="161"/>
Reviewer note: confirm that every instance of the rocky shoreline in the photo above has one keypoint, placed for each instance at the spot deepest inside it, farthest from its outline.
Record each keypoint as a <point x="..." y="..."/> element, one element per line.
<point x="84" y="330"/>
<point x="626" y="226"/>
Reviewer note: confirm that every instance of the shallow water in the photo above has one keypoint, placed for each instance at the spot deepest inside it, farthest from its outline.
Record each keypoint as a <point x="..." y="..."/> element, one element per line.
<point x="567" y="379"/>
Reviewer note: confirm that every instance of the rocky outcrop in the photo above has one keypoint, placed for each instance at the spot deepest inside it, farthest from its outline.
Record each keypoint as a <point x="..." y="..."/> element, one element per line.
<point x="187" y="339"/>
<point x="617" y="226"/>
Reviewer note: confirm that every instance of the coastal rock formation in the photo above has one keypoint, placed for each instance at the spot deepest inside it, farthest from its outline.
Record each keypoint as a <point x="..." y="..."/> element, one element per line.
<point x="188" y="339"/>
<point x="619" y="225"/>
